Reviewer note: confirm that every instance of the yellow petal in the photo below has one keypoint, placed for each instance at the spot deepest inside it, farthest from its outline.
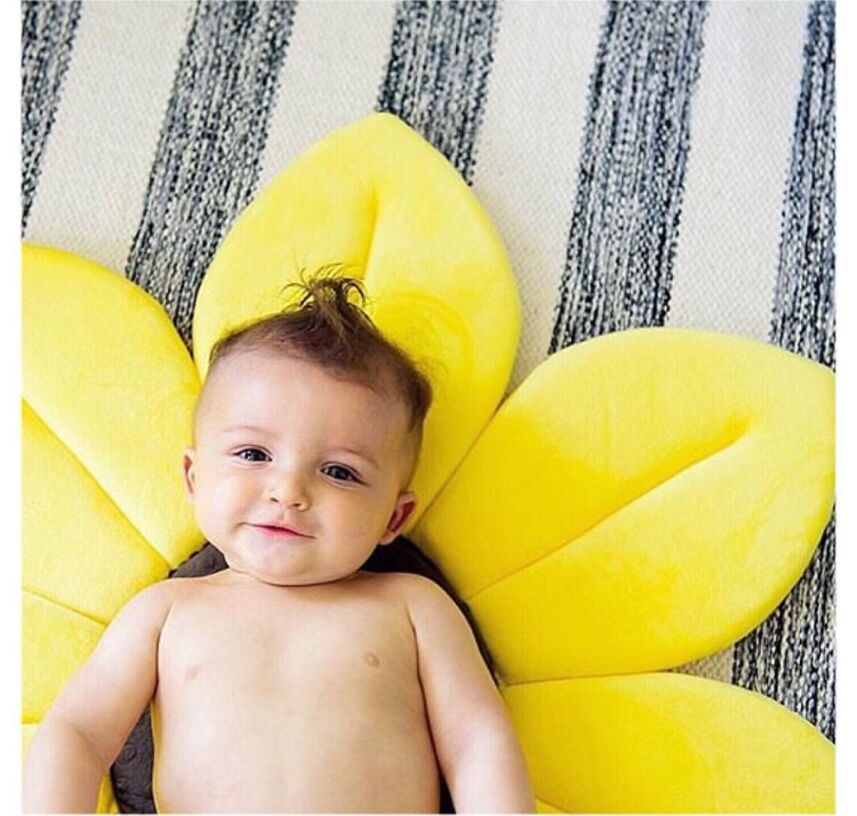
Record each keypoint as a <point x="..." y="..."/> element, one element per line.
<point x="84" y="324"/>
<point x="643" y="499"/>
<point x="378" y="198"/>
<point x="80" y="550"/>
<point x="55" y="642"/>
<point x="108" y="398"/>
<point x="668" y="743"/>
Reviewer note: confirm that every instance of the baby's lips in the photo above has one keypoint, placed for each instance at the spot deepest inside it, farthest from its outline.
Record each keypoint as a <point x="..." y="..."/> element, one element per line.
<point x="281" y="527"/>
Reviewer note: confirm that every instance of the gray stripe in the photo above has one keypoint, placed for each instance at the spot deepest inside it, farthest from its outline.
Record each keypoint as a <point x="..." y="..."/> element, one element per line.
<point x="437" y="73"/>
<point x="47" y="38"/>
<point x="625" y="219"/>
<point x="803" y="316"/>
<point x="791" y="656"/>
<point x="210" y="149"/>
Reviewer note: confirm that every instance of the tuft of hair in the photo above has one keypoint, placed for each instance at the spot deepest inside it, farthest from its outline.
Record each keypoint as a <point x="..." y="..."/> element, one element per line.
<point x="325" y="327"/>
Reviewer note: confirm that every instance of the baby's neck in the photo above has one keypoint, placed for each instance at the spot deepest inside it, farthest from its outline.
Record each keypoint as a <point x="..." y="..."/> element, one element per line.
<point x="232" y="577"/>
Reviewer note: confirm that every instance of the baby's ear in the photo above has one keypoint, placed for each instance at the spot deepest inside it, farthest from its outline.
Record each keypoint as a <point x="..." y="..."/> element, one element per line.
<point x="404" y="509"/>
<point x="188" y="457"/>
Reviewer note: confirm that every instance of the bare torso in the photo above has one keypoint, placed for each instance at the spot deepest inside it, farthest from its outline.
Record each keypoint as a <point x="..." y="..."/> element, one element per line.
<point x="291" y="699"/>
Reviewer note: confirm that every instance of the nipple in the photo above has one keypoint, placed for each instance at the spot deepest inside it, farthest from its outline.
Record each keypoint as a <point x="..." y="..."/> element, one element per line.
<point x="192" y="671"/>
<point x="371" y="659"/>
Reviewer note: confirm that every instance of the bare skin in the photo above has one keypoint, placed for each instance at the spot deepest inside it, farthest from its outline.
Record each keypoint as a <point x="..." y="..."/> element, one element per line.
<point x="292" y="681"/>
<point x="314" y="689"/>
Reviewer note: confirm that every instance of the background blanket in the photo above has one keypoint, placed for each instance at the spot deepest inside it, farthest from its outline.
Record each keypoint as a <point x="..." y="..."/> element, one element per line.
<point x="646" y="163"/>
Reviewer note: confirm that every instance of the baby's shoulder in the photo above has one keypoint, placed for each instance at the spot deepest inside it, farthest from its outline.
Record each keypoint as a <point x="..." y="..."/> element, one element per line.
<point x="160" y="596"/>
<point x="160" y="603"/>
<point x="390" y="581"/>
<point x="415" y="591"/>
<point x="147" y="611"/>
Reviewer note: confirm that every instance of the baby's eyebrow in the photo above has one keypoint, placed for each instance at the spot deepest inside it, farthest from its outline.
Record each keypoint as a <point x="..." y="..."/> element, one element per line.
<point x="235" y="428"/>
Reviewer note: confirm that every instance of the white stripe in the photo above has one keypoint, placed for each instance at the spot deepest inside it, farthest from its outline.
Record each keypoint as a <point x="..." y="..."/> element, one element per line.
<point x="331" y="75"/>
<point x="741" y="128"/>
<point x="528" y="150"/>
<point x="96" y="165"/>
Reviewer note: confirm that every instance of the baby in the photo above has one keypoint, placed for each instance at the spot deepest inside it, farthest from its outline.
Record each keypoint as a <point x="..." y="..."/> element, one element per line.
<point x="293" y="680"/>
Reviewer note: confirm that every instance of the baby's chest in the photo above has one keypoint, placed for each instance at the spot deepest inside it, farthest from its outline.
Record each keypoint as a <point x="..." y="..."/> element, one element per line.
<point x="284" y="652"/>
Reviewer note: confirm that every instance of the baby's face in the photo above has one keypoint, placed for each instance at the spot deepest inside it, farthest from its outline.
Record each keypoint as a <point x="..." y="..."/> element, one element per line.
<point x="282" y="443"/>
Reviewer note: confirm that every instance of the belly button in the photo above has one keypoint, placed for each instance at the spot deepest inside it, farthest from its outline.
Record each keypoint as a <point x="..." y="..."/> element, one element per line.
<point x="371" y="659"/>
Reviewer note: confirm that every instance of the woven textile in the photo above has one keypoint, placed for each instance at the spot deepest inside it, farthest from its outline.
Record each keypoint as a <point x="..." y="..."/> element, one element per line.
<point x="646" y="163"/>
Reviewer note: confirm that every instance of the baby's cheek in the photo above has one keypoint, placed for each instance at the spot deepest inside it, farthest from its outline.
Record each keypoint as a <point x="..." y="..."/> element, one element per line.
<point x="207" y="520"/>
<point x="228" y="489"/>
<point x="377" y="525"/>
<point x="354" y="525"/>
<point x="215" y="508"/>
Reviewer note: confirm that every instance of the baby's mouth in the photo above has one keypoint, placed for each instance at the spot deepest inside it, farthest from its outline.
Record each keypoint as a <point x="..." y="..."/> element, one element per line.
<point x="277" y="531"/>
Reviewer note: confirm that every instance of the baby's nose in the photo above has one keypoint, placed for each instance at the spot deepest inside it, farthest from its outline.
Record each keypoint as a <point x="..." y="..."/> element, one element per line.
<point x="288" y="490"/>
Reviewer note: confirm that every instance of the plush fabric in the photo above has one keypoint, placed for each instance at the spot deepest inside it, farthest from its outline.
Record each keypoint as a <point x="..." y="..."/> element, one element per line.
<point x="668" y="743"/>
<point x="106" y="411"/>
<point x="647" y="164"/>
<point x="640" y="500"/>
<point x="647" y="496"/>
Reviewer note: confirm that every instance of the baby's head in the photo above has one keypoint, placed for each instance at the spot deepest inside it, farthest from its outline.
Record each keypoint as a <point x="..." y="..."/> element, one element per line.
<point x="310" y="420"/>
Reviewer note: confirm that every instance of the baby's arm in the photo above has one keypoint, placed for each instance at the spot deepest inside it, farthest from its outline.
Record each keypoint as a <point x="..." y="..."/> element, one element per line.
<point x="476" y="747"/>
<point x="85" y="728"/>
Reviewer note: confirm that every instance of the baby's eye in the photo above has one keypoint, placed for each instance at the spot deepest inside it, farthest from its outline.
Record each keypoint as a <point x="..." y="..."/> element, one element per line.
<point x="252" y="455"/>
<point x="339" y="473"/>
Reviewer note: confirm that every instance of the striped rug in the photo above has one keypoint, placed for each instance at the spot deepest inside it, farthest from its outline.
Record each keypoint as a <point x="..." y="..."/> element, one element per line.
<point x="646" y="163"/>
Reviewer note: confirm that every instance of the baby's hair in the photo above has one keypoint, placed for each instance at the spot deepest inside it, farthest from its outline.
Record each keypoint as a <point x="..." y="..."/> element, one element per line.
<point x="327" y="329"/>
